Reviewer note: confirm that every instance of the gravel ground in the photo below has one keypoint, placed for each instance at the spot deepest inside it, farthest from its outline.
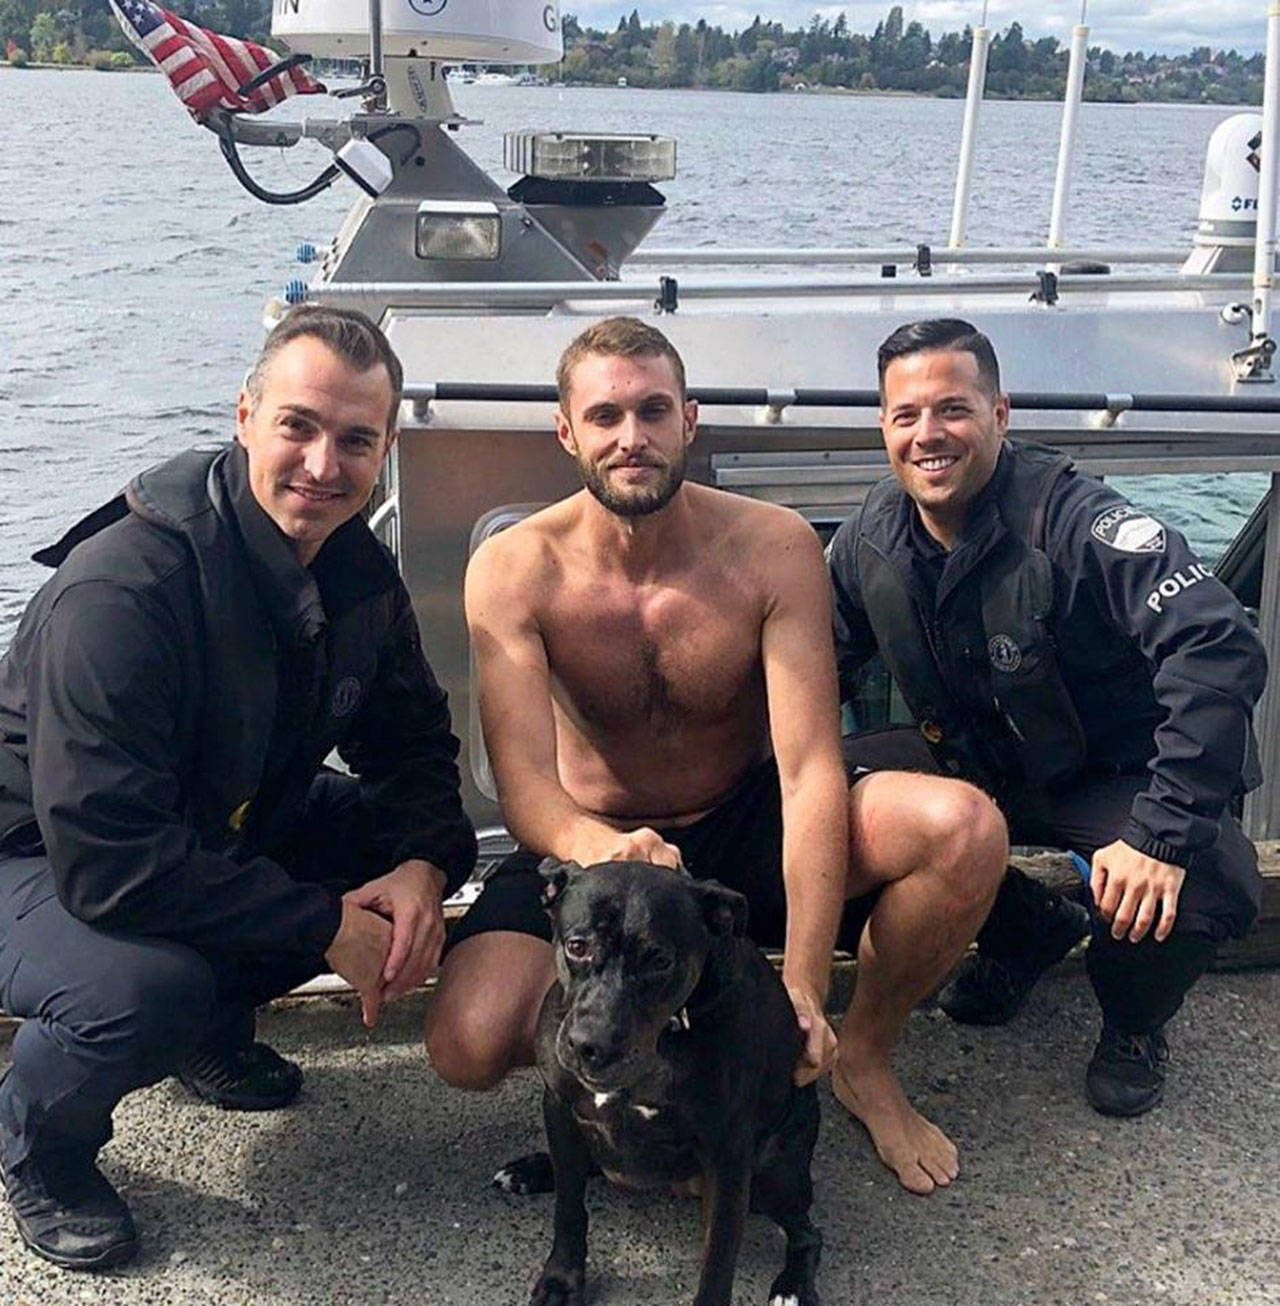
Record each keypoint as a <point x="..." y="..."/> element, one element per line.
<point x="373" y="1187"/>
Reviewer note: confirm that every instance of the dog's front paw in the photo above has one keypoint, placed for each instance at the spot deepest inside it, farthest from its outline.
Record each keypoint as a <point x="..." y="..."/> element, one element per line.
<point x="790" y="1289"/>
<point x="558" y="1287"/>
<point x="526" y="1175"/>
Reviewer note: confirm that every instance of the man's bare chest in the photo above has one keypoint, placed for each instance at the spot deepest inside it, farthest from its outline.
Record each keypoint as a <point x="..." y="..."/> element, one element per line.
<point x="661" y="656"/>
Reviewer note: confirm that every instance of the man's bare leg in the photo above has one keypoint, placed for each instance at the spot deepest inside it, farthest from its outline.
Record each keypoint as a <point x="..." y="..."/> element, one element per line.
<point x="484" y="1012"/>
<point x="939" y="849"/>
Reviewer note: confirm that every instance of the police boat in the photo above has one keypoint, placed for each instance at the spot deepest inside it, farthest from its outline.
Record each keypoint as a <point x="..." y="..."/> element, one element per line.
<point x="1133" y="360"/>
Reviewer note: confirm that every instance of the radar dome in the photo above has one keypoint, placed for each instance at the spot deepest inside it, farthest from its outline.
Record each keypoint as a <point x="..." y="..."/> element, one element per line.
<point x="463" y="31"/>
<point x="1229" y="196"/>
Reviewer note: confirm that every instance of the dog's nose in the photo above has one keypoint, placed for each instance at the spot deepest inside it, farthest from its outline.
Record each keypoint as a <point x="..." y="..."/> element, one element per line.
<point x="589" y="1053"/>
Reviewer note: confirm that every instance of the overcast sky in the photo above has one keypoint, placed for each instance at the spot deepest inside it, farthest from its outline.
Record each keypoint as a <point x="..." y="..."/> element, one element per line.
<point x="1173" y="26"/>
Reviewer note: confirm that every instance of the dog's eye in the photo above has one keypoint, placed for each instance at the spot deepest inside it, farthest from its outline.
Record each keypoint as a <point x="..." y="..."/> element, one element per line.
<point x="577" y="949"/>
<point x="656" y="960"/>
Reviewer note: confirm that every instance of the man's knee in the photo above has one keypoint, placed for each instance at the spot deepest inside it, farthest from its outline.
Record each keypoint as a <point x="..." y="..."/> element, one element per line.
<point x="966" y="839"/>
<point x="469" y="1047"/>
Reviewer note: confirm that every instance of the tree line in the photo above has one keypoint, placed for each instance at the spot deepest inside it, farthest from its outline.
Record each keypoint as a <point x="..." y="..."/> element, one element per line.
<point x="765" y="56"/>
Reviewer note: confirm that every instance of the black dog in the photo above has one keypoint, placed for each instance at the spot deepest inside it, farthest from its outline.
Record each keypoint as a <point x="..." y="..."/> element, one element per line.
<point x="667" y="1048"/>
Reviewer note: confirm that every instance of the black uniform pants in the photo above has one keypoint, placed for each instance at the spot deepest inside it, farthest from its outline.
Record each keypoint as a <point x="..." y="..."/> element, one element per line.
<point x="1138" y="985"/>
<point x="106" y="1013"/>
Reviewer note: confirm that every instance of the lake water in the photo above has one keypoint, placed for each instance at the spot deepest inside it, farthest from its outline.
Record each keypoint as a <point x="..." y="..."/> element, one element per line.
<point x="133" y="268"/>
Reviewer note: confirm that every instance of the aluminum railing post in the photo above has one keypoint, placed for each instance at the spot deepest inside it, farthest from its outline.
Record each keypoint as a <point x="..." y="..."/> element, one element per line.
<point x="1067" y="142"/>
<point x="972" y="103"/>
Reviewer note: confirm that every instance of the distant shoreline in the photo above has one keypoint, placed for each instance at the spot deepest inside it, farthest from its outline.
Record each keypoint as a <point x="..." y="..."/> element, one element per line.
<point x="838" y="91"/>
<point x="33" y="65"/>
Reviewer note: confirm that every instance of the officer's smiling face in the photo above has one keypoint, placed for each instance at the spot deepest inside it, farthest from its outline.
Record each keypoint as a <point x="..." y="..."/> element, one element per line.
<point x="942" y="429"/>
<point x="316" y="435"/>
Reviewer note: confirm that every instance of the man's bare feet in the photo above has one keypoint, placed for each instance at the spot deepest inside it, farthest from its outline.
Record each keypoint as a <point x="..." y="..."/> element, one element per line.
<point x="918" y="1152"/>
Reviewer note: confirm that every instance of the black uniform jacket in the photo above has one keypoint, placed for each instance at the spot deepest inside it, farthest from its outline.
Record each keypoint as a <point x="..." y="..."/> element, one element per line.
<point x="172" y="692"/>
<point x="1129" y="597"/>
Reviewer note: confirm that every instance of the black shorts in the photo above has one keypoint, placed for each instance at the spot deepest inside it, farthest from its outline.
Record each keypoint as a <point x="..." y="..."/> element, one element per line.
<point x="738" y="843"/>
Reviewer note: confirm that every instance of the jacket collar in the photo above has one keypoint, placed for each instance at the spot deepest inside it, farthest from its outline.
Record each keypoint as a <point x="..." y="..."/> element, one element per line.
<point x="286" y="589"/>
<point x="983" y="527"/>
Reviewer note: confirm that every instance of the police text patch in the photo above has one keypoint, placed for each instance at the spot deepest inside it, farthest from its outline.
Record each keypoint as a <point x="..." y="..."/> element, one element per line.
<point x="1129" y="530"/>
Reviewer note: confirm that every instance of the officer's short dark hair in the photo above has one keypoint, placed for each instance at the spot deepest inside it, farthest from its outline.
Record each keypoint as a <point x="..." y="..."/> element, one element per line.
<point x="351" y="335"/>
<point x="941" y="333"/>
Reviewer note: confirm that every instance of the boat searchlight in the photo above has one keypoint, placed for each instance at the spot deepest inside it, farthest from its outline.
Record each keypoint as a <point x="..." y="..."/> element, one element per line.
<point x="458" y="229"/>
<point x="578" y="156"/>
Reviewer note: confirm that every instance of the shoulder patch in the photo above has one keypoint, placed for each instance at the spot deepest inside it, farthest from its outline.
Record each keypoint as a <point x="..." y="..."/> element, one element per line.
<point x="1128" y="530"/>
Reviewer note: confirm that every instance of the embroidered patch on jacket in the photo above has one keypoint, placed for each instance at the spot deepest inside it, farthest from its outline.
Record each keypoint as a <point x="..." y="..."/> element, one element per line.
<point x="1129" y="530"/>
<point x="345" y="697"/>
<point x="1004" y="653"/>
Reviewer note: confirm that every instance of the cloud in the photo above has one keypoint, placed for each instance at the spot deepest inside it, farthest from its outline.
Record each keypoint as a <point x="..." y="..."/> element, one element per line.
<point x="1165" y="26"/>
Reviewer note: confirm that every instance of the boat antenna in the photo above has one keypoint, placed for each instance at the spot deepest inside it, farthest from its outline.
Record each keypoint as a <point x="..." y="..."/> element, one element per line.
<point x="979" y="46"/>
<point x="1070" y="113"/>
<point x="377" y="82"/>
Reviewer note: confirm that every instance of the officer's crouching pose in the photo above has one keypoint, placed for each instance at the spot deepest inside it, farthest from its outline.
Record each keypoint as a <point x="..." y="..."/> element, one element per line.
<point x="172" y="851"/>
<point x="1069" y="653"/>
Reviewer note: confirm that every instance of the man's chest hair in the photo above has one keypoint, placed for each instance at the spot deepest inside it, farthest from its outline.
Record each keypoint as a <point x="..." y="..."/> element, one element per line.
<point x="655" y="653"/>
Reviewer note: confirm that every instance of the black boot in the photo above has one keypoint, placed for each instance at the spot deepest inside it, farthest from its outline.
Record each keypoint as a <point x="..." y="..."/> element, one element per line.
<point x="1139" y="987"/>
<point x="1030" y="928"/>
<point x="230" y="1070"/>
<point x="67" y="1212"/>
<point x="1126" y="1073"/>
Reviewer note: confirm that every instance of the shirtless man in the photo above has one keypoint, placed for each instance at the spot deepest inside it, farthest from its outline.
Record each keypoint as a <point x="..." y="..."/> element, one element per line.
<point x="656" y="682"/>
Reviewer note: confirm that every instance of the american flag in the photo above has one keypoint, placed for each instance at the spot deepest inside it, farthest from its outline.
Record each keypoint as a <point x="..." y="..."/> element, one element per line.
<point x="205" y="68"/>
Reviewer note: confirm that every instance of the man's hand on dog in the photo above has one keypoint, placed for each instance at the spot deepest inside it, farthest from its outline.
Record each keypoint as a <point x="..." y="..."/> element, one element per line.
<point x="608" y="845"/>
<point x="819" y="1051"/>
<point x="411" y="898"/>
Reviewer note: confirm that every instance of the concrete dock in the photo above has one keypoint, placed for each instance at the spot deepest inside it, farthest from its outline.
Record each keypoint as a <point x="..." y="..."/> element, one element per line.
<point x="373" y="1188"/>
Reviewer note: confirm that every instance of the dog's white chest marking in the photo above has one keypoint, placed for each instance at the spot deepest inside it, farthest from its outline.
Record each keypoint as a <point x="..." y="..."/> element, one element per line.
<point x="602" y="1099"/>
<point x="646" y="1112"/>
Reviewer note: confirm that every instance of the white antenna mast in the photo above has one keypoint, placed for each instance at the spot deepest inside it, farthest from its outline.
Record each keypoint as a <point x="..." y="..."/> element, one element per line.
<point x="973" y="101"/>
<point x="1070" y="113"/>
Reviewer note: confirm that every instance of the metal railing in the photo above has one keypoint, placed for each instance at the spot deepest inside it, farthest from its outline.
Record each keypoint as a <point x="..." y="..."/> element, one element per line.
<point x="814" y="397"/>
<point x="666" y="292"/>
<point x="893" y="255"/>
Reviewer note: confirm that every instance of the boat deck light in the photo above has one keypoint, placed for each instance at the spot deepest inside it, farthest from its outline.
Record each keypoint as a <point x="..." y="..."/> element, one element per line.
<point x="583" y="156"/>
<point x="458" y="229"/>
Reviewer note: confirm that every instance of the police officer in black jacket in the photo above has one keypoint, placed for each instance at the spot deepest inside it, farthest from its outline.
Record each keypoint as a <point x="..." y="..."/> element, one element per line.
<point x="1069" y="653"/>
<point x="173" y="849"/>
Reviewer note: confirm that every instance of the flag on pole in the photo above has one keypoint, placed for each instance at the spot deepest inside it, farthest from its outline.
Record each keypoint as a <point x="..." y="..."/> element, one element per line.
<point x="205" y="68"/>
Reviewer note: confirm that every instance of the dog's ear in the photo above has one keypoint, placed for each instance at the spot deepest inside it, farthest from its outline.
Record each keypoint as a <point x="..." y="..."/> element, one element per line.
<point x="555" y="875"/>
<point x="724" y="910"/>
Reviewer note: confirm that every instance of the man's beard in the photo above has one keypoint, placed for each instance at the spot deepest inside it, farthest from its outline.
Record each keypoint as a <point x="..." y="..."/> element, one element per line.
<point x="637" y="501"/>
